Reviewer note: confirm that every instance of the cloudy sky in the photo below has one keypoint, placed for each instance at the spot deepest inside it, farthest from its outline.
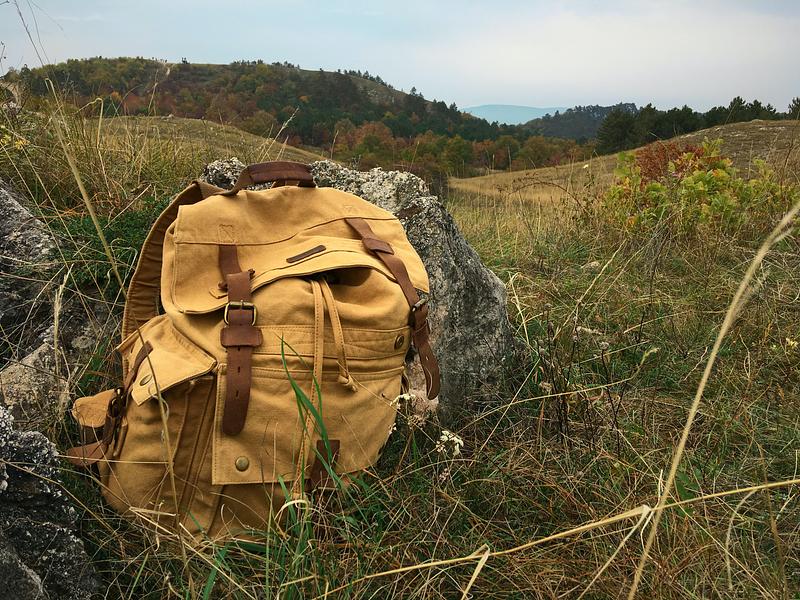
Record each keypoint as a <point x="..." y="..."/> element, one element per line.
<point x="537" y="53"/>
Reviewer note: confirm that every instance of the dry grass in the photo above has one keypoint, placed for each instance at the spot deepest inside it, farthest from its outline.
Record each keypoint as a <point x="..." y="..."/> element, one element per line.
<point x="620" y="329"/>
<point x="213" y="140"/>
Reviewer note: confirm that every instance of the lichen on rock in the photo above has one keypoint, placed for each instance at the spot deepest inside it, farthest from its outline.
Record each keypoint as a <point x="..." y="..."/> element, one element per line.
<point x="40" y="554"/>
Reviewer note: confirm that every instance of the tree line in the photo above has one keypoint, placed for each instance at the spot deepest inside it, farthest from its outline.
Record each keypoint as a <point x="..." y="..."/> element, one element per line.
<point x="625" y="129"/>
<point x="350" y="115"/>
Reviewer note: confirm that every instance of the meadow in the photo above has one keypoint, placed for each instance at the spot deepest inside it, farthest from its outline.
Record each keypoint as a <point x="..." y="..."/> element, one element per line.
<point x="648" y="436"/>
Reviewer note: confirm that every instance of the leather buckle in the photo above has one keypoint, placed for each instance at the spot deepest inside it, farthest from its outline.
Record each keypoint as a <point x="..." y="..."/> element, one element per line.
<point x="419" y="314"/>
<point x="240" y="305"/>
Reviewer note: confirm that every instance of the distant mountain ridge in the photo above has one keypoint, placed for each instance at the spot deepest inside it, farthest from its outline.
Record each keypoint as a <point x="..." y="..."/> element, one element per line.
<point x="511" y="114"/>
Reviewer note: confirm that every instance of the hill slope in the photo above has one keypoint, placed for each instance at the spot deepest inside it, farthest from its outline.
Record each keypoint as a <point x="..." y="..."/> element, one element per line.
<point x="254" y="95"/>
<point x="578" y="123"/>
<point x="217" y="141"/>
<point x="776" y="142"/>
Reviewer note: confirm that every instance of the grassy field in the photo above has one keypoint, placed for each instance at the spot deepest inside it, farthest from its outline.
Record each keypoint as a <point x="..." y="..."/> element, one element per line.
<point x="203" y="137"/>
<point x="553" y="491"/>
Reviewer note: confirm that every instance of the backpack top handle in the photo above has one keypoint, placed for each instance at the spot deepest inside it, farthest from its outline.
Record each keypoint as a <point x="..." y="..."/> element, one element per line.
<point x="277" y="172"/>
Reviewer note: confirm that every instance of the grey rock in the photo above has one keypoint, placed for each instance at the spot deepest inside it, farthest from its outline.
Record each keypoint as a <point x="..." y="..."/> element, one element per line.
<point x="32" y="388"/>
<point x="40" y="555"/>
<point x="223" y="173"/>
<point x="26" y="270"/>
<point x="36" y="358"/>
<point x="16" y="575"/>
<point x="470" y="332"/>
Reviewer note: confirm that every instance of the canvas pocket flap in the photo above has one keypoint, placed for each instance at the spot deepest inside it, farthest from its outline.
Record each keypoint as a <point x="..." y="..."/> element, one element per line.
<point x="195" y="275"/>
<point x="90" y="411"/>
<point x="173" y="359"/>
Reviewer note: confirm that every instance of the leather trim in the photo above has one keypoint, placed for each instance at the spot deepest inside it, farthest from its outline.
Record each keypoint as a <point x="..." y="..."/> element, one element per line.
<point x="306" y="254"/>
<point x="239" y="337"/>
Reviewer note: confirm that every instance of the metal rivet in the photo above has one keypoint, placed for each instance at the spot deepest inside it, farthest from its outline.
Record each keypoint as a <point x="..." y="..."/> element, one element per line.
<point x="399" y="341"/>
<point x="242" y="463"/>
<point x="145" y="380"/>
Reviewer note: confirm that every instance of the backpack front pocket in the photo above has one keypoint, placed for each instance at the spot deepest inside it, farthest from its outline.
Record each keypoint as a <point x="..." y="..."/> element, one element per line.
<point x="268" y="449"/>
<point x="171" y="384"/>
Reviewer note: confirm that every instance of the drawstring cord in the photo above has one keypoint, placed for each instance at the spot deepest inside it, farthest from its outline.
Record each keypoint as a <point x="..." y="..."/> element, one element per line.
<point x="316" y="383"/>
<point x="345" y="378"/>
<point x="323" y="299"/>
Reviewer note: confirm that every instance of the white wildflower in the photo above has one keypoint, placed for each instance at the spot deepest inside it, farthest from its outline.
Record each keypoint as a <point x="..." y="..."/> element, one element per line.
<point x="407" y="398"/>
<point x="450" y="443"/>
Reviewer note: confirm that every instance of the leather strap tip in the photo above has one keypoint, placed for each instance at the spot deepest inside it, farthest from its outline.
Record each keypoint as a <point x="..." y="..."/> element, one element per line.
<point x="231" y="428"/>
<point x="85" y="456"/>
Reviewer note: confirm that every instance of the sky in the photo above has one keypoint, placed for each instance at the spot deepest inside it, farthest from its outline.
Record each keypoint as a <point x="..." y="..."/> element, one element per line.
<point x="535" y="53"/>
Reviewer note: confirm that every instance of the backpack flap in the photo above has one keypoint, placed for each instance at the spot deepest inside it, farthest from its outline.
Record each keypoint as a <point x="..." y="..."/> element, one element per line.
<point x="317" y="240"/>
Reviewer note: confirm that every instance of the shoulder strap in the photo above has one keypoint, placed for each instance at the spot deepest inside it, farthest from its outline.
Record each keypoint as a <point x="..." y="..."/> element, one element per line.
<point x="141" y="303"/>
<point x="418" y="317"/>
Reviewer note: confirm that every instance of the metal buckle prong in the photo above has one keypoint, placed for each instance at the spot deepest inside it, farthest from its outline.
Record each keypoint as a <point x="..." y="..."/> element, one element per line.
<point x="419" y="304"/>
<point x="241" y="305"/>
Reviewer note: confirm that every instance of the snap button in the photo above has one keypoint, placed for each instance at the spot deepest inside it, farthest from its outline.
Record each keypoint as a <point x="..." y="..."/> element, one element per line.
<point x="242" y="463"/>
<point x="399" y="341"/>
<point x="145" y="380"/>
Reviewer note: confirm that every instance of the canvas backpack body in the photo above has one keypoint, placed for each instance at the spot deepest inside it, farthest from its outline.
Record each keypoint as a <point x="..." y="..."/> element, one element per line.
<point x="265" y="336"/>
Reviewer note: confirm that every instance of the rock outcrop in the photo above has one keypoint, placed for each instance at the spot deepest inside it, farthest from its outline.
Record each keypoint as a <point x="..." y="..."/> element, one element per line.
<point x="27" y="251"/>
<point x="40" y="555"/>
<point x="47" y="333"/>
<point x="470" y="332"/>
<point x="223" y="173"/>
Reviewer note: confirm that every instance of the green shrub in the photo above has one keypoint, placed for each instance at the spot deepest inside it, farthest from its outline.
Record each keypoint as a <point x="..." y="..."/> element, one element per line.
<point x="698" y="192"/>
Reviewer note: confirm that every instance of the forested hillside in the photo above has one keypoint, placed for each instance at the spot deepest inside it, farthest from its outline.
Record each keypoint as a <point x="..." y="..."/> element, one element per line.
<point x="579" y="123"/>
<point x="623" y="129"/>
<point x="355" y="117"/>
<point x="360" y="119"/>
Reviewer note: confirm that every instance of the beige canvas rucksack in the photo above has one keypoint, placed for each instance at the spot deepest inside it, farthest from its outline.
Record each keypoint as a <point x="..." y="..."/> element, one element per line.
<point x="263" y="349"/>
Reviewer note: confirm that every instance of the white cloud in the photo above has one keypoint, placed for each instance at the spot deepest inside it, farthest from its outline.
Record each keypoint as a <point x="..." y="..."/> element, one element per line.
<point x="508" y="51"/>
<point x="686" y="53"/>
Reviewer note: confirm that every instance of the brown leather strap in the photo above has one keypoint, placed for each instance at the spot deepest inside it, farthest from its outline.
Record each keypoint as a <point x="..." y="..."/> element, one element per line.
<point x="279" y="172"/>
<point x="239" y="337"/>
<point x="146" y="349"/>
<point x="420" y="332"/>
<point x="141" y="303"/>
<point x="229" y="259"/>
